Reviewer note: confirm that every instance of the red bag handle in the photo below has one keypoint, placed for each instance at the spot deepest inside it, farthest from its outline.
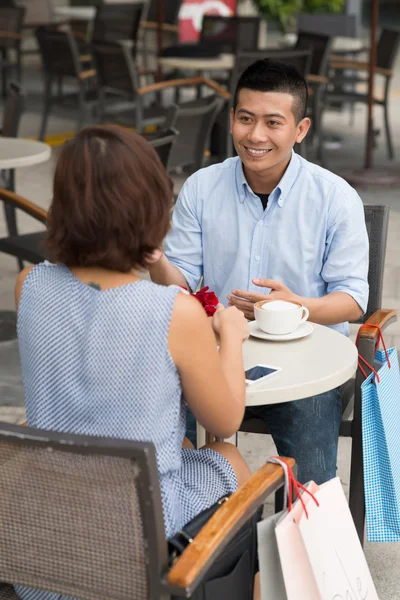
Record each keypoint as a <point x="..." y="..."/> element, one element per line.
<point x="293" y="483"/>
<point x="360" y="358"/>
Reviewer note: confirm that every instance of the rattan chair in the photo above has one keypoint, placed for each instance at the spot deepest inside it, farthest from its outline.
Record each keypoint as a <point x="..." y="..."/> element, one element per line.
<point x="82" y="516"/>
<point x="376" y="218"/>
<point x="163" y="142"/>
<point x="61" y="59"/>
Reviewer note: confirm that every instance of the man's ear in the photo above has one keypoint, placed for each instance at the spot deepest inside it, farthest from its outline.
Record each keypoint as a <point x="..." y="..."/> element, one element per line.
<point x="231" y="117"/>
<point x="302" y="129"/>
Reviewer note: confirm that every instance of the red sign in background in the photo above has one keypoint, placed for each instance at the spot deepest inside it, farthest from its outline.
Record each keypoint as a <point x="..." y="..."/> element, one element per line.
<point x="191" y="15"/>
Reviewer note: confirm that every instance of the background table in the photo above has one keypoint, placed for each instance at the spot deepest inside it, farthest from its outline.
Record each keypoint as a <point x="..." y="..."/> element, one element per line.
<point x="84" y="13"/>
<point x="224" y="62"/>
<point x="312" y="365"/>
<point x="17" y="152"/>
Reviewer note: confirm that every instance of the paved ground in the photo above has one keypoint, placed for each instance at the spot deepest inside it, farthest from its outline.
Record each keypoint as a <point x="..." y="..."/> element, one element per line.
<point x="35" y="183"/>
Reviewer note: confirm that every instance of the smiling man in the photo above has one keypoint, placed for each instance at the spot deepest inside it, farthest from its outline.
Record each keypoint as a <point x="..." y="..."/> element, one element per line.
<point x="268" y="224"/>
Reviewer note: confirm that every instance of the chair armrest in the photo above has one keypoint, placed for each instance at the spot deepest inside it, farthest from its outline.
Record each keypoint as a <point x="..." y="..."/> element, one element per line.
<point x="163" y="85"/>
<point x="317" y="78"/>
<point x="10" y="35"/>
<point x="164" y="26"/>
<point x="382" y="317"/>
<point x="23" y="204"/>
<point x="355" y="65"/>
<point x="87" y="74"/>
<point x="189" y="569"/>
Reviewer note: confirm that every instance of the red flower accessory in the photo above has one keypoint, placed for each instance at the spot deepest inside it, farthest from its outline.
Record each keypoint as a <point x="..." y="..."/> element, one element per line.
<point x="208" y="300"/>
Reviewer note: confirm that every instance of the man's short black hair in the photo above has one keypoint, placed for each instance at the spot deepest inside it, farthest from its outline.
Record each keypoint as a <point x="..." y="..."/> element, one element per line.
<point x="268" y="76"/>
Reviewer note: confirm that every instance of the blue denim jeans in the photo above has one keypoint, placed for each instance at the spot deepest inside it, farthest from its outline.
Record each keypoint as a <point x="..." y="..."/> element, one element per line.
<point x="307" y="430"/>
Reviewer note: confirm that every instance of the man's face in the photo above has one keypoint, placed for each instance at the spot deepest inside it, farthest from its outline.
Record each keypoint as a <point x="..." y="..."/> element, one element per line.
<point x="264" y="129"/>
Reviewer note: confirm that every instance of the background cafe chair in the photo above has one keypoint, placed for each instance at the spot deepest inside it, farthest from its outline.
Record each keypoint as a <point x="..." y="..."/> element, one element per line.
<point x="81" y="516"/>
<point x="377" y="218"/>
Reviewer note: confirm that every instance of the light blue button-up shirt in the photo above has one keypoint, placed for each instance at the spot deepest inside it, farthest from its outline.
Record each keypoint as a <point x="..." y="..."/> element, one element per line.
<point x="312" y="235"/>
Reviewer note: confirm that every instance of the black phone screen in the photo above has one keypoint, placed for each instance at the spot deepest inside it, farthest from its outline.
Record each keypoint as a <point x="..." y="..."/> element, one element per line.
<point x="258" y="371"/>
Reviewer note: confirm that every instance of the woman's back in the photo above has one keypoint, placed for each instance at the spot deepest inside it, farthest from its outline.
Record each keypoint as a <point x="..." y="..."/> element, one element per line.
<point x="97" y="362"/>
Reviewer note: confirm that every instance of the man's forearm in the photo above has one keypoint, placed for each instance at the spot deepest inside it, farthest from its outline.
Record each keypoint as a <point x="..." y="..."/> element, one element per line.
<point x="164" y="273"/>
<point x="334" y="308"/>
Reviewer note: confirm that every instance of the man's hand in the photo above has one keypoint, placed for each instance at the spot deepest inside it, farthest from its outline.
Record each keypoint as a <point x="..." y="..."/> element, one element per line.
<point x="245" y="301"/>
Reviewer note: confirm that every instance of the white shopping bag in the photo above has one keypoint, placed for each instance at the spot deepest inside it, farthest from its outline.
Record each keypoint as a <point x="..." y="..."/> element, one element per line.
<point x="327" y="547"/>
<point x="316" y="553"/>
<point x="271" y="578"/>
<point x="333" y="547"/>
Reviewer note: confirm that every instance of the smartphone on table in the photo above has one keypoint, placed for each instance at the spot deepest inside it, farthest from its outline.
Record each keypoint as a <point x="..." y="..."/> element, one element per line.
<point x="260" y="372"/>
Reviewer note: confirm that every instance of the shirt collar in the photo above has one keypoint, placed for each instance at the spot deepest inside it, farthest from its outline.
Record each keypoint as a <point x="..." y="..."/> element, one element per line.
<point x="283" y="187"/>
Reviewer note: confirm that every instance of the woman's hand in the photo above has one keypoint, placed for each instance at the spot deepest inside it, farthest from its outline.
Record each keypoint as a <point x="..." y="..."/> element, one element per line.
<point x="230" y="321"/>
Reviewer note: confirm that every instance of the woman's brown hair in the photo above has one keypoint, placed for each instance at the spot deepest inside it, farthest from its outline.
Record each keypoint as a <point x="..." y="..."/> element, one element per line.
<point x="111" y="201"/>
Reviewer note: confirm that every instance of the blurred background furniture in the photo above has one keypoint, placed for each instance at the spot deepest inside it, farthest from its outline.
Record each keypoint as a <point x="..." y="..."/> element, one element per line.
<point x="12" y="113"/>
<point x="82" y="516"/>
<point x="11" y="23"/>
<point x="194" y="120"/>
<point x="162" y="141"/>
<point x="349" y="73"/>
<point x="61" y="59"/>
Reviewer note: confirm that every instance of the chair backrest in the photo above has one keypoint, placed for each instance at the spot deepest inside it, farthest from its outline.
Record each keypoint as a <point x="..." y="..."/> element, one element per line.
<point x="11" y="21"/>
<point x="115" y="66"/>
<point x="388" y="46"/>
<point x="12" y="110"/>
<point x="163" y="142"/>
<point x="80" y="516"/>
<point x="194" y="122"/>
<point x="377" y="220"/>
<point x="59" y="51"/>
<point x="116" y="22"/>
<point x="328" y="24"/>
<point x="171" y="11"/>
<point x="299" y="59"/>
<point x="320" y="45"/>
<point x="230" y="35"/>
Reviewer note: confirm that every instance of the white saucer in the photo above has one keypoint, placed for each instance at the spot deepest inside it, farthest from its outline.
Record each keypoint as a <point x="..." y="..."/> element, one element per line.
<point x="303" y="330"/>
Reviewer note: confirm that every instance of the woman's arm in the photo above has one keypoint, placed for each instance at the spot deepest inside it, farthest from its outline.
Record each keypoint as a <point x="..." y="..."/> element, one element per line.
<point x="213" y="382"/>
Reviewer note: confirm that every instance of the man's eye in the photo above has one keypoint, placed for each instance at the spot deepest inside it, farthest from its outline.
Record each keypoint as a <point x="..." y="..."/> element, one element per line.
<point x="245" y="119"/>
<point x="273" y="123"/>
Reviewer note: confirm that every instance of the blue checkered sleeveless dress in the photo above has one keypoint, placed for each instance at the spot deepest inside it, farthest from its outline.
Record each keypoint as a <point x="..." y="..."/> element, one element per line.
<point x="97" y="363"/>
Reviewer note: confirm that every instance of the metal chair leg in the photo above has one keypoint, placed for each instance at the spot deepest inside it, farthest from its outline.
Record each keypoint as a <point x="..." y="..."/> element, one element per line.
<point x="10" y="213"/>
<point x="46" y="107"/>
<point x="81" y="109"/>
<point x="387" y="130"/>
<point x="4" y="72"/>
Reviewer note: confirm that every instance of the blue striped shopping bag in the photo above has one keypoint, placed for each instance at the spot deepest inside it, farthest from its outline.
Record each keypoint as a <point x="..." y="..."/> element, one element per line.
<point x="380" y="394"/>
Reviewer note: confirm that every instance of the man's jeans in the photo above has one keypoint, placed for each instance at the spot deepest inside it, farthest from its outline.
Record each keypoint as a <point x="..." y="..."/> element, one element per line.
<point x="307" y="430"/>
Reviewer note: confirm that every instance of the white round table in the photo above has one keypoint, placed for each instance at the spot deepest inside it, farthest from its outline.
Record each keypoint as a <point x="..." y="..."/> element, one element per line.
<point x="224" y="62"/>
<point x="80" y="13"/>
<point x="312" y="365"/>
<point x="17" y="152"/>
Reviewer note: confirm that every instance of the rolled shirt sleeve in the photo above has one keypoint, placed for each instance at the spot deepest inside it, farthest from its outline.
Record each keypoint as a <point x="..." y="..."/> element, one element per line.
<point x="183" y="244"/>
<point x="346" y="262"/>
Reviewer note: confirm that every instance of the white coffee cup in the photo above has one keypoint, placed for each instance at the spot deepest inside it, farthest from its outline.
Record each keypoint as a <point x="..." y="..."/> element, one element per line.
<point x="279" y="317"/>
